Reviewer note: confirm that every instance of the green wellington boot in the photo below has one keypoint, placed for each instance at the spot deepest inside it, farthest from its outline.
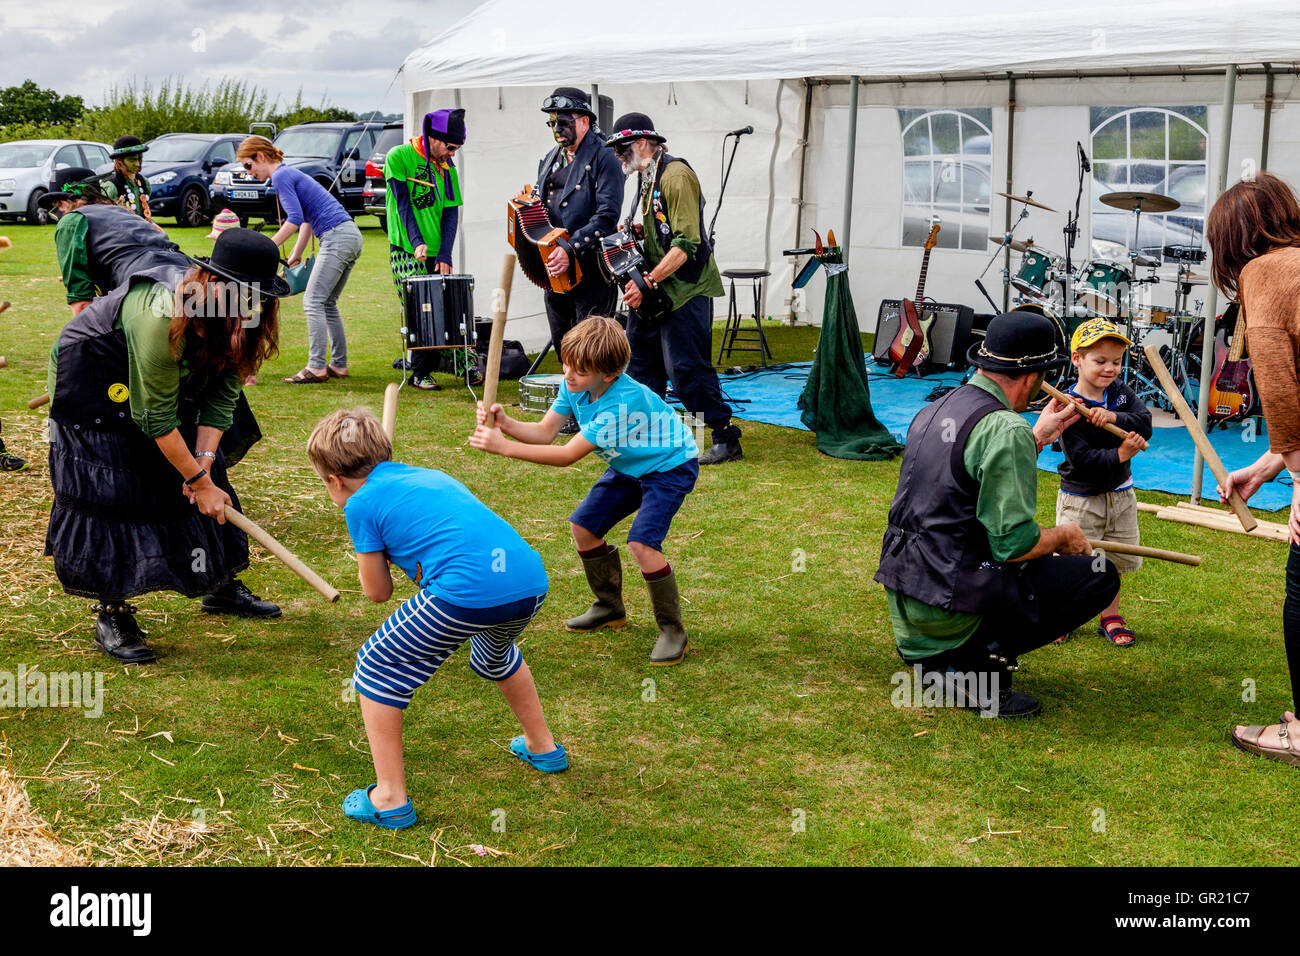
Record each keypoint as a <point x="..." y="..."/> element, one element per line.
<point x="671" y="646"/>
<point x="605" y="578"/>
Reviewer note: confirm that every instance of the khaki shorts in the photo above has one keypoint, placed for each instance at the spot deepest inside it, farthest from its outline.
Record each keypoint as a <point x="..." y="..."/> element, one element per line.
<point x="1112" y="516"/>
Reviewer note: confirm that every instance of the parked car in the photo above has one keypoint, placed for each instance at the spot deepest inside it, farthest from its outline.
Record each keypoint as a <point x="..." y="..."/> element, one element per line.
<point x="330" y="153"/>
<point x="1112" y="229"/>
<point x="27" y="166"/>
<point x="957" y="191"/>
<point x="375" y="195"/>
<point x="180" y="167"/>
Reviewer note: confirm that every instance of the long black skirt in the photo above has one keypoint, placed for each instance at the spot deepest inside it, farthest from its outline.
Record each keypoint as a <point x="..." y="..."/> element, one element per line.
<point x="121" y="525"/>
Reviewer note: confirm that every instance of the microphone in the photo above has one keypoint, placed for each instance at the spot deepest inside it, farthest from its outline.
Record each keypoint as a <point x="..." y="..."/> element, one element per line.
<point x="1083" y="157"/>
<point x="743" y="131"/>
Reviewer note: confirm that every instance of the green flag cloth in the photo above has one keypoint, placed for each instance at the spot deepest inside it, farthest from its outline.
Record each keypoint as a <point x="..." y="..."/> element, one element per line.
<point x="836" y="402"/>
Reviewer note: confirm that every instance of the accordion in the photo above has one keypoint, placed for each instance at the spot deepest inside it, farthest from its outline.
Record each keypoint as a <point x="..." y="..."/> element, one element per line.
<point x="533" y="237"/>
<point x="438" y="311"/>
<point x="623" y="260"/>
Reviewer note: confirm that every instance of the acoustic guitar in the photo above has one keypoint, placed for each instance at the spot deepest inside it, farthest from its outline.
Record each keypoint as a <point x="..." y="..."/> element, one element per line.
<point x="1232" y="388"/>
<point x="911" y="346"/>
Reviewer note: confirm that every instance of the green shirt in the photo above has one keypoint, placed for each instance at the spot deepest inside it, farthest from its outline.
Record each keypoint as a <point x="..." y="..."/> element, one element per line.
<point x="70" y="245"/>
<point x="427" y="204"/>
<point x="157" y="380"/>
<point x="1002" y="455"/>
<point x="681" y="198"/>
<point x="138" y="186"/>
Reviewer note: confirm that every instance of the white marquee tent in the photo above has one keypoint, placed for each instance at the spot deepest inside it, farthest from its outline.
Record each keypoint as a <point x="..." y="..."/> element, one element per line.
<point x="972" y="98"/>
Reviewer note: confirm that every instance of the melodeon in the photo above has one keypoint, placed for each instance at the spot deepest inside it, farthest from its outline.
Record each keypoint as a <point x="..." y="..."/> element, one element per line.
<point x="622" y="258"/>
<point x="438" y="311"/>
<point x="534" y="237"/>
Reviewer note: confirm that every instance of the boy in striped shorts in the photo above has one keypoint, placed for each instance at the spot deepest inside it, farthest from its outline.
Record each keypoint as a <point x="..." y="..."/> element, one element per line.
<point x="479" y="582"/>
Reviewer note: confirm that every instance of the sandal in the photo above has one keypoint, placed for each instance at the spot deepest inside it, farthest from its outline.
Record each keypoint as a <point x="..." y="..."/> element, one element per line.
<point x="357" y="806"/>
<point x="332" y="372"/>
<point x="1119" y="635"/>
<point x="1249" y="742"/>
<point x="552" y="762"/>
<point x="307" y="376"/>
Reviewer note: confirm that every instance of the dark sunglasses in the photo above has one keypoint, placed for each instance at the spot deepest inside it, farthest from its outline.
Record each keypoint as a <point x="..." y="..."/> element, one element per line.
<point x="568" y="119"/>
<point x="248" y="165"/>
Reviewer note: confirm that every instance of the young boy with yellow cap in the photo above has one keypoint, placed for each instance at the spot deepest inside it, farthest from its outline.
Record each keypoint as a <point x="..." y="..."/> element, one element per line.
<point x="1096" y="481"/>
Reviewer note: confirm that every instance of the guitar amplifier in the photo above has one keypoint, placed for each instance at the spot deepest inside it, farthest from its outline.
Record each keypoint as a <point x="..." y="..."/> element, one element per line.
<point x="950" y="335"/>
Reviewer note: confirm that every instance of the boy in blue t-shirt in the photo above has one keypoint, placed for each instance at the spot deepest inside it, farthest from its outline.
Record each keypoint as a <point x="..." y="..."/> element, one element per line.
<point x="479" y="581"/>
<point x="652" y="467"/>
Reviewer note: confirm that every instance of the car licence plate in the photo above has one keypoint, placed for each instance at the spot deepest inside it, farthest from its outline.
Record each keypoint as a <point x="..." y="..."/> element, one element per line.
<point x="243" y="194"/>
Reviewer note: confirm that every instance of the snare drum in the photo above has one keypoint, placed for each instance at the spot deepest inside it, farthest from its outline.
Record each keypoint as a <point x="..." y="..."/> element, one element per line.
<point x="438" y="311"/>
<point x="1036" y="268"/>
<point x="1103" y="286"/>
<point x="537" y="393"/>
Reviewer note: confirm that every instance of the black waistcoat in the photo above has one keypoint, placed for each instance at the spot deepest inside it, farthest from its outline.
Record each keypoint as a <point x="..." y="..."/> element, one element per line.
<point x="935" y="549"/>
<point x="120" y="244"/>
<point x="91" y="390"/>
<point x="693" y="268"/>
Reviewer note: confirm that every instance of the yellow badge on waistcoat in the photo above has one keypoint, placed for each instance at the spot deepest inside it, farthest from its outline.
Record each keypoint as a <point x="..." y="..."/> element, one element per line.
<point x="118" y="392"/>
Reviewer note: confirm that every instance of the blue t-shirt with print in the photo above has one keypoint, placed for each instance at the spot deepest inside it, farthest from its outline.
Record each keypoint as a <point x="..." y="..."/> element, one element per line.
<point x="634" y="430"/>
<point x="446" y="540"/>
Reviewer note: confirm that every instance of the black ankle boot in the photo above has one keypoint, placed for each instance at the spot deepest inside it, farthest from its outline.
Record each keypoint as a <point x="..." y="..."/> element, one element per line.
<point x="235" y="598"/>
<point x="118" y="636"/>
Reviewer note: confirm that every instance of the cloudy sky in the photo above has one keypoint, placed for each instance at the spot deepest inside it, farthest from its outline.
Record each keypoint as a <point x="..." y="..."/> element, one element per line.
<point x="346" y="52"/>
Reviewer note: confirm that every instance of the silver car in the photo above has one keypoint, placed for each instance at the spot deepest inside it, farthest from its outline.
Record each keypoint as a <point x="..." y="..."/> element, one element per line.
<point x="27" y="166"/>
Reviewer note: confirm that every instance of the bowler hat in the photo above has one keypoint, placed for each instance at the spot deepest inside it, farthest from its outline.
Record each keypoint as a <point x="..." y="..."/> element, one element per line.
<point x="63" y="178"/>
<point x="632" y="126"/>
<point x="568" y="99"/>
<point x="1018" y="342"/>
<point x="127" y="146"/>
<point x="249" y="258"/>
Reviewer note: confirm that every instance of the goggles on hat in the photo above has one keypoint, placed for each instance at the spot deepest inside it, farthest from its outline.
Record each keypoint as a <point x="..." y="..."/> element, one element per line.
<point x="558" y="104"/>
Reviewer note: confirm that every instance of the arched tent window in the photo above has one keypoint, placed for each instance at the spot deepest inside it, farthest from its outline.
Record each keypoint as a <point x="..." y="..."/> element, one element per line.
<point x="947" y="164"/>
<point x="1154" y="150"/>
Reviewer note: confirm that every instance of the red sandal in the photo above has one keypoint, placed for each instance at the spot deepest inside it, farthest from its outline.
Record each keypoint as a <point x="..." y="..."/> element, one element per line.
<point x="1116" y="635"/>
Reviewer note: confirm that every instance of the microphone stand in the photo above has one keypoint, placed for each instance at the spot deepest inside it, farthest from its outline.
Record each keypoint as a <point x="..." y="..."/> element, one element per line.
<point x="1071" y="232"/>
<point x="713" y="245"/>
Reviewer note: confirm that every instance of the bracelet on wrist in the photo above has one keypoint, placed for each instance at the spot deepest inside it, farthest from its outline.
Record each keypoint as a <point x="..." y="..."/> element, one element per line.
<point x="206" y="454"/>
<point x="189" y="482"/>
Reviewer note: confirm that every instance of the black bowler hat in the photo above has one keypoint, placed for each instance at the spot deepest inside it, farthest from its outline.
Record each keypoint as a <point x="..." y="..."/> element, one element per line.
<point x="568" y="99"/>
<point x="64" y="181"/>
<point x="1018" y="342"/>
<point x="632" y="126"/>
<point x="127" y="146"/>
<point x="249" y="258"/>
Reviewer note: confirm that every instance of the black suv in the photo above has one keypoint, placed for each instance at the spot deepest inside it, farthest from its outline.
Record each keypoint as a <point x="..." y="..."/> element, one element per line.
<point x="374" y="196"/>
<point x="333" y="154"/>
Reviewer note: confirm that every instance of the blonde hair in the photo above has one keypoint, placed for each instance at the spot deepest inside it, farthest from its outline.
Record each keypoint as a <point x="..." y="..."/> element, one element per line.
<point x="252" y="145"/>
<point x="596" y="345"/>
<point x="348" y="443"/>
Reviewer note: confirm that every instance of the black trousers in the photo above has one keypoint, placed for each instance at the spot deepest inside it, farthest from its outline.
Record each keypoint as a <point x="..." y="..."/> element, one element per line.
<point x="1291" y="622"/>
<point x="1067" y="590"/>
<point x="589" y="297"/>
<point x="678" y="349"/>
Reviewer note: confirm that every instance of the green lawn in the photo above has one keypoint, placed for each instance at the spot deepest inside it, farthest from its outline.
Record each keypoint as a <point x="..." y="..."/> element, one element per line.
<point x="780" y="715"/>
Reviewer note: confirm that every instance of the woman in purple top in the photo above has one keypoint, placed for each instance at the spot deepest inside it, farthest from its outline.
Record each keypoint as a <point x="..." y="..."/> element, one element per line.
<point x="311" y="210"/>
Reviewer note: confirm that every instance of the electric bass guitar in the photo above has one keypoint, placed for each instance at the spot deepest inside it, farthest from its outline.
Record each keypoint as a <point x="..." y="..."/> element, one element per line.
<point x="1232" y="389"/>
<point x="911" y="346"/>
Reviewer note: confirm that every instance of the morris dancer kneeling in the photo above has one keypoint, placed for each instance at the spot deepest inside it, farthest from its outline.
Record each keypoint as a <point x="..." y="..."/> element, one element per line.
<point x="972" y="580"/>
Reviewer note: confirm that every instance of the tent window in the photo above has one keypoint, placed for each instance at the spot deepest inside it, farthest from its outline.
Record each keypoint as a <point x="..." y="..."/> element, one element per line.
<point x="946" y="173"/>
<point x="1148" y="149"/>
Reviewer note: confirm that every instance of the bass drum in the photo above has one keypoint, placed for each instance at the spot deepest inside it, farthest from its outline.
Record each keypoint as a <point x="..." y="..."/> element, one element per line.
<point x="1061" y="376"/>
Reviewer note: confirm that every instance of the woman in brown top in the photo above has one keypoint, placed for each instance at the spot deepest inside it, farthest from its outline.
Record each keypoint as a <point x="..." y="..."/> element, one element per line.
<point x="1254" y="235"/>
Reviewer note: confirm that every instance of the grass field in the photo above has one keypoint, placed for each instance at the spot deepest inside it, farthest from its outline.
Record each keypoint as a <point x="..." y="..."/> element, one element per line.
<point x="774" y="743"/>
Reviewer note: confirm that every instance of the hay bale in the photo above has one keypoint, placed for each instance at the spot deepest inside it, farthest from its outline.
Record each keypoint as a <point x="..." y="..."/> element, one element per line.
<point x="26" y="839"/>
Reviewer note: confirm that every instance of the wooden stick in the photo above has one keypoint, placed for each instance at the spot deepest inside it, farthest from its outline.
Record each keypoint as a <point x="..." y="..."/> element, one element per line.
<point x="1120" y="548"/>
<point x="3" y="306"/>
<point x="253" y="529"/>
<point x="1231" y="525"/>
<point x="1148" y="508"/>
<point x="1194" y="429"/>
<point x="493" y="372"/>
<point x="3" y="363"/>
<point x="390" y="410"/>
<point x="39" y="400"/>
<point x="1083" y="410"/>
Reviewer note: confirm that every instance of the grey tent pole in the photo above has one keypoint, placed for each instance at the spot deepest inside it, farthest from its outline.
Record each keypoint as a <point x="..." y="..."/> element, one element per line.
<point x="1268" y="115"/>
<point x="848" y="165"/>
<point x="462" y="233"/>
<point x="1212" y="295"/>
<point x="1011" y="143"/>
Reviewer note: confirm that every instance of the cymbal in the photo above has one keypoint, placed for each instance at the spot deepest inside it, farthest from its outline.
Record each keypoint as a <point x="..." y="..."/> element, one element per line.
<point x="1192" y="278"/>
<point x="1145" y="202"/>
<point x="1145" y="262"/>
<point x="1017" y="245"/>
<point x="1027" y="201"/>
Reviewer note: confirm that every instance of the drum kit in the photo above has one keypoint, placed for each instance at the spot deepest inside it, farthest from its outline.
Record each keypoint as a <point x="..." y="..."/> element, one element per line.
<point x="1116" y="289"/>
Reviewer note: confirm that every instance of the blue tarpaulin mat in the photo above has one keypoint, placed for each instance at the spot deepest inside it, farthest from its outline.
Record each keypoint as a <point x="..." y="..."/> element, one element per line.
<point x="772" y="395"/>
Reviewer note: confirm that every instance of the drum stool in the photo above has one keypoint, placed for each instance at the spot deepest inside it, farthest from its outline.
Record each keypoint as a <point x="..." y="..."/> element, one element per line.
<point x="734" y="331"/>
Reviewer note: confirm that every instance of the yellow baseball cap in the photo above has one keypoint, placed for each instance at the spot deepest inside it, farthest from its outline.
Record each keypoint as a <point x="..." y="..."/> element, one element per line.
<point x="1093" y="331"/>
